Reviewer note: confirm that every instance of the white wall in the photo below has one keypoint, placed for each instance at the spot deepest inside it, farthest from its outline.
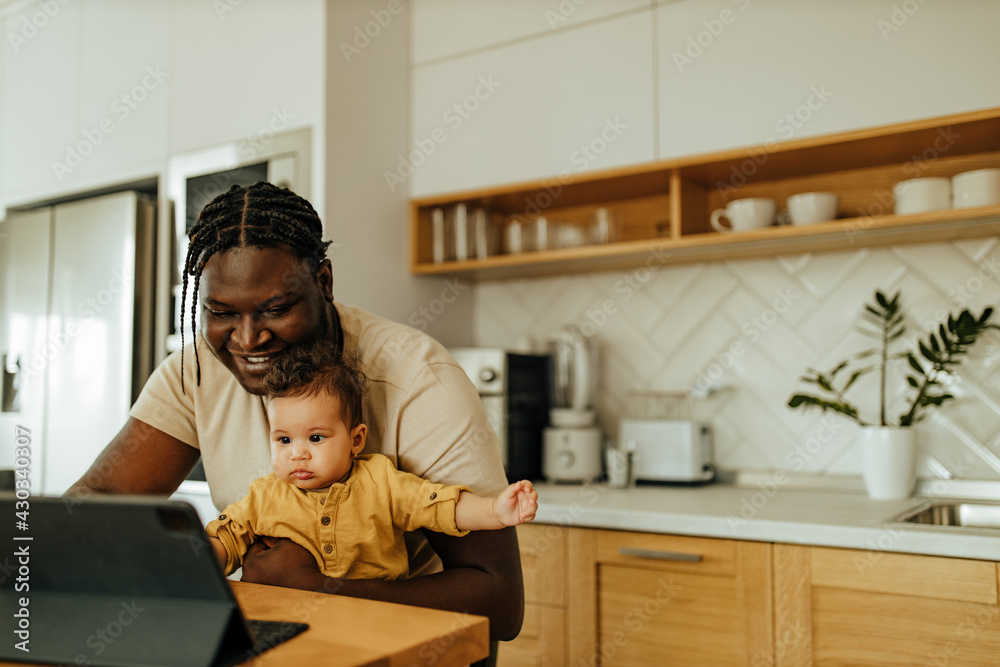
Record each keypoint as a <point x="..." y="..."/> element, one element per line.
<point x="750" y="63"/>
<point x="368" y="110"/>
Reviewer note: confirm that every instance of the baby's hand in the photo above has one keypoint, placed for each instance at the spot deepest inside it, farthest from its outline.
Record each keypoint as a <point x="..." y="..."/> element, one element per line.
<point x="517" y="504"/>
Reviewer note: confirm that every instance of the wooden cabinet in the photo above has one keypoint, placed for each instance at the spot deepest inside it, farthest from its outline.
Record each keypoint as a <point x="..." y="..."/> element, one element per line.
<point x="848" y="607"/>
<point x="604" y="598"/>
<point x="662" y="209"/>
<point x="668" y="600"/>
<point x="542" y="641"/>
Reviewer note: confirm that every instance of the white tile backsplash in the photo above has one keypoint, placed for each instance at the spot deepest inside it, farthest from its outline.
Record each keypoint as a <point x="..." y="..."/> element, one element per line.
<point x="756" y="325"/>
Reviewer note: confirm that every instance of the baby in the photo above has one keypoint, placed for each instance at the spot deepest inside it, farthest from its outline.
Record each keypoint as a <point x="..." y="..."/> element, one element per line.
<point x="349" y="510"/>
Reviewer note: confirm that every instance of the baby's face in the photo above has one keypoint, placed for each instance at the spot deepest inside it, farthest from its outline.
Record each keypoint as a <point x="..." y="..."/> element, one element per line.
<point x="311" y="446"/>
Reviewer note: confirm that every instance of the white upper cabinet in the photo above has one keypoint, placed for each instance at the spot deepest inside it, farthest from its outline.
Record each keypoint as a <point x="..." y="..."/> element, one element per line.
<point x="576" y="100"/>
<point x="444" y="28"/>
<point x="102" y="92"/>
<point x="740" y="73"/>
<point x="125" y="80"/>
<point x="40" y="106"/>
<point x="245" y="70"/>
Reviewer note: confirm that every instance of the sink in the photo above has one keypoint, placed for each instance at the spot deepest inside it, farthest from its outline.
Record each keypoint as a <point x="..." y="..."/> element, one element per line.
<point x="960" y="513"/>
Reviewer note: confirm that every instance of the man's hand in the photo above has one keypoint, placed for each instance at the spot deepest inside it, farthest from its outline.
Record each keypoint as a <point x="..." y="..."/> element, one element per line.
<point x="281" y="562"/>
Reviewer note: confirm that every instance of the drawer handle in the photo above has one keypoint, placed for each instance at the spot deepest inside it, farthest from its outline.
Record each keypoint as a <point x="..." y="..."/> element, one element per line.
<point x="659" y="555"/>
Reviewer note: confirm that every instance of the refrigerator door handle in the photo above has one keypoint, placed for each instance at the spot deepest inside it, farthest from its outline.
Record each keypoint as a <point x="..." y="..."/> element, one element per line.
<point x="11" y="382"/>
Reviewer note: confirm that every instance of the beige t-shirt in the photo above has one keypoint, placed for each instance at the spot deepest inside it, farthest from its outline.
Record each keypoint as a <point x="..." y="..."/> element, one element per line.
<point x="421" y="409"/>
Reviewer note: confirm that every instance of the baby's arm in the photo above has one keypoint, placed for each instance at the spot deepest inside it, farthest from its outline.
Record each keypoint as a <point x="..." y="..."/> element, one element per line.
<point x="515" y="505"/>
<point x="219" y="549"/>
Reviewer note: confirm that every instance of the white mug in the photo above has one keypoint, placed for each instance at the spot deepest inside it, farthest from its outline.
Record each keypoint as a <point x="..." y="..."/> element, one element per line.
<point x="980" y="187"/>
<point x="617" y="464"/>
<point x="919" y="195"/>
<point x="807" y="208"/>
<point x="745" y="214"/>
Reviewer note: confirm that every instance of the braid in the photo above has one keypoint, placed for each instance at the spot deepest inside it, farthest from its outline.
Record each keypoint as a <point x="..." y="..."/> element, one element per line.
<point x="258" y="216"/>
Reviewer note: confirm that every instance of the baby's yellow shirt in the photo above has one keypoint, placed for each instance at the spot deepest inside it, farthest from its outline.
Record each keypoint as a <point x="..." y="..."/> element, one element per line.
<point x="354" y="530"/>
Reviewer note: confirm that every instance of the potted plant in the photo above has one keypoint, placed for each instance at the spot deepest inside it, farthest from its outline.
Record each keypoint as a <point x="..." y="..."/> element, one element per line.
<point x="889" y="445"/>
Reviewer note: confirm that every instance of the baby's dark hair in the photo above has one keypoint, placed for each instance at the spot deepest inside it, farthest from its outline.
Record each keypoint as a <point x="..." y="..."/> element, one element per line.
<point x="317" y="368"/>
<point x="259" y="216"/>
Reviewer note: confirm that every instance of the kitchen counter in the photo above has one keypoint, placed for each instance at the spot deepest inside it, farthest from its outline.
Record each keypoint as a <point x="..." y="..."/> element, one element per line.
<point x="765" y="512"/>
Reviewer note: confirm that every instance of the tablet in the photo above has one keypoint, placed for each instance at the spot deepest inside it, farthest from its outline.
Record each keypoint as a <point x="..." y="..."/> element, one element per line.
<point x="119" y="580"/>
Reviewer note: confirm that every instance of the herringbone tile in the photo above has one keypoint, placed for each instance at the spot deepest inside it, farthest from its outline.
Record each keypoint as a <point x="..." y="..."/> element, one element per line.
<point x="754" y="326"/>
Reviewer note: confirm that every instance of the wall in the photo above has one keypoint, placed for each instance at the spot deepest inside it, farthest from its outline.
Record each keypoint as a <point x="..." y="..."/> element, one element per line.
<point x="693" y="77"/>
<point x="367" y="130"/>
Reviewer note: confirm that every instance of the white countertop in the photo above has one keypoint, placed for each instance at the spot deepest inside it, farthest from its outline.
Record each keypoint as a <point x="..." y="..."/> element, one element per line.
<point x="764" y="513"/>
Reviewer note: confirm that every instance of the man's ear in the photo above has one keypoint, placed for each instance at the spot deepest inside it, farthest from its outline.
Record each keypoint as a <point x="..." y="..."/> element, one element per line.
<point x="358" y="436"/>
<point x="324" y="280"/>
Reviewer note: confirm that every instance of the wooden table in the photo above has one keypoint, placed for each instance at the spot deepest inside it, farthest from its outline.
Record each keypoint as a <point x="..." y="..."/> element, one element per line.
<point x="350" y="632"/>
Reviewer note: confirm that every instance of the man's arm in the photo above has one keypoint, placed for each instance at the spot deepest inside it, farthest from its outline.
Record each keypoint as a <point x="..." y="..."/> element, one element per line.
<point x="140" y="460"/>
<point x="482" y="575"/>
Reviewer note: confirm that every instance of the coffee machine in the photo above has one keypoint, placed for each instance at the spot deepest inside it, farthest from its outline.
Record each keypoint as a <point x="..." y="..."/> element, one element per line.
<point x="514" y="390"/>
<point x="572" y="444"/>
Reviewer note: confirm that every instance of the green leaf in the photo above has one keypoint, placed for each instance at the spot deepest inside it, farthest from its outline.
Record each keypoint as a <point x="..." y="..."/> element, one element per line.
<point x="850" y="381"/>
<point x="914" y="364"/>
<point x="881" y="299"/>
<point x="913" y="381"/>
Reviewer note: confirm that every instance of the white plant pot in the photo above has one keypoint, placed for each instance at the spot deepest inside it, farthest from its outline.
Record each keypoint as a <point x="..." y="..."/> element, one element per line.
<point x="889" y="461"/>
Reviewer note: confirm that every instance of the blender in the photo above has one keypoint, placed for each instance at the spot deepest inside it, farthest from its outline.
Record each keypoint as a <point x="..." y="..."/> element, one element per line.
<point x="571" y="448"/>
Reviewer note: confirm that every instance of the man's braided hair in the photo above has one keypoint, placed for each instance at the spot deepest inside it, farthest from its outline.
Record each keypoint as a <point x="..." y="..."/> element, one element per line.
<point x="259" y="216"/>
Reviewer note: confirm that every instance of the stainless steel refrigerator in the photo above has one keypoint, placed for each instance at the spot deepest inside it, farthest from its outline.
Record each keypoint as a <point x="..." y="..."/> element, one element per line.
<point x="76" y="337"/>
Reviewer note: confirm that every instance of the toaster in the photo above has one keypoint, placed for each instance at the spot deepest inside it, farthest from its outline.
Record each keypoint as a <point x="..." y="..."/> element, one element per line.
<point x="668" y="450"/>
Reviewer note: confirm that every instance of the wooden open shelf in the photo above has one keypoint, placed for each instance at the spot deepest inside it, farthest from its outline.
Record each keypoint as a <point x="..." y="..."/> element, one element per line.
<point x="663" y="208"/>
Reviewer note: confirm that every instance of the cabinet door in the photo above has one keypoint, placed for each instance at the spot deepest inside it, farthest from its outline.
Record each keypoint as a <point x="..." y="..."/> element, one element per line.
<point x="847" y="607"/>
<point x="555" y="105"/>
<point x="665" y="600"/>
<point x="542" y="641"/>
